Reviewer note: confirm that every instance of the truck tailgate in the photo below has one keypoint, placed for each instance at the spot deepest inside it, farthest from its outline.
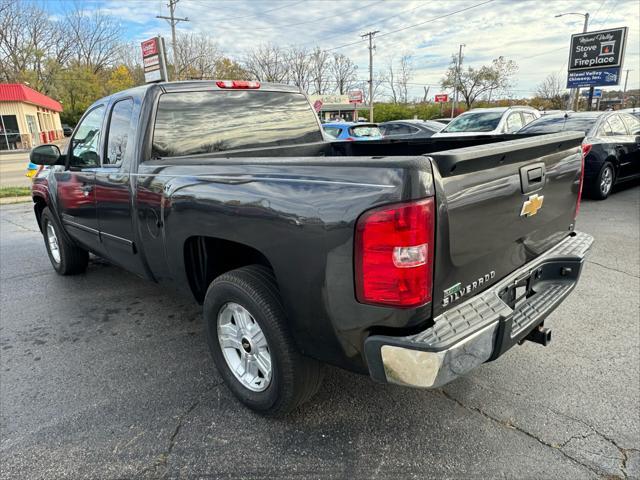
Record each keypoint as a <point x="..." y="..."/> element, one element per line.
<point x="499" y="207"/>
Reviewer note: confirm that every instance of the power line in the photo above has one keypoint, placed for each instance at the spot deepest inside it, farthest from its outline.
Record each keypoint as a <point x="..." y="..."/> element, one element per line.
<point x="258" y="14"/>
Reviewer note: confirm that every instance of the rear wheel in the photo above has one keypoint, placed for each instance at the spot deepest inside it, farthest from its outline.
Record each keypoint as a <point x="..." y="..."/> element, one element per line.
<point x="251" y="344"/>
<point x="66" y="258"/>
<point x="603" y="183"/>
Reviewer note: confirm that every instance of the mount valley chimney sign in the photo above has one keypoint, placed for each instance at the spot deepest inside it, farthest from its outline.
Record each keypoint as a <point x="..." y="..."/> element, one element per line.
<point x="596" y="58"/>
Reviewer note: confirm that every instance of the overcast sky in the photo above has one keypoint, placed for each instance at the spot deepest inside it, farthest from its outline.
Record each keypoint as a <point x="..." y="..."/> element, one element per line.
<point x="525" y="31"/>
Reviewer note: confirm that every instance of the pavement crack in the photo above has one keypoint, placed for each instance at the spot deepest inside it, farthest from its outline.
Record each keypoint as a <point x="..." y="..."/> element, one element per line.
<point x="524" y="432"/>
<point x="22" y="227"/>
<point x="614" y="269"/>
<point x="162" y="460"/>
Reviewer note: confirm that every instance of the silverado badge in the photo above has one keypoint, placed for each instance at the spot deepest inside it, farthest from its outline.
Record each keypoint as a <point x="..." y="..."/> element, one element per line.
<point x="457" y="291"/>
<point x="531" y="206"/>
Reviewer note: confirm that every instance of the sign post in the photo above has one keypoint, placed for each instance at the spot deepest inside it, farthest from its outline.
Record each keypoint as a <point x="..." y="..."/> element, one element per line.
<point x="154" y="59"/>
<point x="595" y="59"/>
<point x="441" y="98"/>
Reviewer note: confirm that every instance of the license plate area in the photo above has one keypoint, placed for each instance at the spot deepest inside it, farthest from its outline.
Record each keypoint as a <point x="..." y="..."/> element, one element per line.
<point x="519" y="290"/>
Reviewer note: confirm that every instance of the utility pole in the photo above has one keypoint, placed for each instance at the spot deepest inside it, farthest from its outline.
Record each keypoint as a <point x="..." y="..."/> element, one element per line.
<point x="173" y="21"/>
<point x="371" y="47"/>
<point x="459" y="66"/>
<point x="624" y="92"/>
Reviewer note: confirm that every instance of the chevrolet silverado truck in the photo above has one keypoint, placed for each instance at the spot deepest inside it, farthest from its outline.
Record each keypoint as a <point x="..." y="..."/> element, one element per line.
<point x="413" y="261"/>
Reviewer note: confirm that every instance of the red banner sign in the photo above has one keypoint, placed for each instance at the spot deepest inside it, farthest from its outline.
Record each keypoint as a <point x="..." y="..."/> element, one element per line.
<point x="150" y="47"/>
<point x="442" y="97"/>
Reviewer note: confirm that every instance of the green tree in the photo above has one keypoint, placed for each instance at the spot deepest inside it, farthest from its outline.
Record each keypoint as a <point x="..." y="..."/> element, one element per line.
<point x="77" y="88"/>
<point x="120" y="78"/>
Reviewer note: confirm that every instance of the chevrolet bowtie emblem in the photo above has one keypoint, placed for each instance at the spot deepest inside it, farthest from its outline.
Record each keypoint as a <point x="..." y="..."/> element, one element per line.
<point x="531" y="206"/>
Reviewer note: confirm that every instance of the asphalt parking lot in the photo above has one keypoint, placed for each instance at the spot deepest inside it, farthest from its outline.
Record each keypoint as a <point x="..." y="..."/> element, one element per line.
<point x="105" y="375"/>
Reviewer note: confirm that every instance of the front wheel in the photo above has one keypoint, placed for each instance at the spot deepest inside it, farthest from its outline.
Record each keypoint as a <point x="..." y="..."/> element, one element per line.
<point x="251" y="345"/>
<point x="66" y="258"/>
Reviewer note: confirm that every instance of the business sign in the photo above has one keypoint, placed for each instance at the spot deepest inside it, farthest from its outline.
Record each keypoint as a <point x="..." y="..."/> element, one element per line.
<point x="317" y="105"/>
<point x="330" y="99"/>
<point x="441" y="98"/>
<point x="592" y="78"/>
<point x="355" y="96"/>
<point x="597" y="93"/>
<point x="595" y="58"/>
<point x="154" y="60"/>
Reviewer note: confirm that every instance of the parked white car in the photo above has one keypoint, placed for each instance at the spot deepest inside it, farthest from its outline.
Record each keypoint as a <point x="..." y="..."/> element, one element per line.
<point x="489" y="121"/>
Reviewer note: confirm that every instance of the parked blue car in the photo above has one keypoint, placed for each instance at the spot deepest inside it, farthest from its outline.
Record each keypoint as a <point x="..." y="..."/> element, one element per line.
<point x="351" y="131"/>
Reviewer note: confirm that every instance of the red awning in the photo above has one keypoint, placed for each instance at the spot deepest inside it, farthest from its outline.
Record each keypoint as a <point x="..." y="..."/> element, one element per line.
<point x="16" y="92"/>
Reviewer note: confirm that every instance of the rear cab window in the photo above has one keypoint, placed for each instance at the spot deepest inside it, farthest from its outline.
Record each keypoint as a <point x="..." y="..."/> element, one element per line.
<point x="190" y="123"/>
<point x="365" y="131"/>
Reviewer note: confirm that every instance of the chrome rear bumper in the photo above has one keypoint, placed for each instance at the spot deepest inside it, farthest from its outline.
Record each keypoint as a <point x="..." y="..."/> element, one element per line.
<point x="483" y="327"/>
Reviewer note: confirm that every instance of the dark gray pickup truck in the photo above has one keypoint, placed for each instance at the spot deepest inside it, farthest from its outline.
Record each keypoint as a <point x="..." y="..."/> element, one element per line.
<point x="414" y="261"/>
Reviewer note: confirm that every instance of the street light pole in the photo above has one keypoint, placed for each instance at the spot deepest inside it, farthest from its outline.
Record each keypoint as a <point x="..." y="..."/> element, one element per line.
<point x="584" y="30"/>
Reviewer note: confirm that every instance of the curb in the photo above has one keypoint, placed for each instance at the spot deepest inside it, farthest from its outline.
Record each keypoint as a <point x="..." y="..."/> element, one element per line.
<point x="10" y="200"/>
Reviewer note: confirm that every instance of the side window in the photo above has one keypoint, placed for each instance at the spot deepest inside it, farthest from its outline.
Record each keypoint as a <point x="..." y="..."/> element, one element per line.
<point x="514" y="122"/>
<point x="632" y="123"/>
<point x="332" y="131"/>
<point x="528" y="117"/>
<point x="118" y="133"/>
<point x="85" y="143"/>
<point x="605" y="129"/>
<point x="617" y="127"/>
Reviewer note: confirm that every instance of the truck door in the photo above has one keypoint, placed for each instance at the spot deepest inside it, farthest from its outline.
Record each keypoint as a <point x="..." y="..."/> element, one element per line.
<point x="113" y="187"/>
<point x="75" y="185"/>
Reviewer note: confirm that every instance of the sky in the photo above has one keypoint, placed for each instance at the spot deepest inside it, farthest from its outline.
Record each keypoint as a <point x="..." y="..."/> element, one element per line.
<point x="430" y="31"/>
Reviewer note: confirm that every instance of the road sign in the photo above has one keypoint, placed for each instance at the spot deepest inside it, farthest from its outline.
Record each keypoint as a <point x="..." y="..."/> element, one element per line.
<point x="317" y="105"/>
<point x="441" y="97"/>
<point x="595" y="58"/>
<point x="597" y="93"/>
<point x="590" y="78"/>
<point x="154" y="60"/>
<point x="355" y="96"/>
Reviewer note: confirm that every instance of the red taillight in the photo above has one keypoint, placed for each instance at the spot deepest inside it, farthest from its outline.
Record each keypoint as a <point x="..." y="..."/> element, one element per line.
<point x="394" y="254"/>
<point x="240" y="84"/>
<point x="586" y="148"/>
<point x="350" y="139"/>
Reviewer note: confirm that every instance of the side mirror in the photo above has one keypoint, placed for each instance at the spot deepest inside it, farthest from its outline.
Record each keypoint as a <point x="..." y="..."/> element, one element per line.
<point x="45" y="155"/>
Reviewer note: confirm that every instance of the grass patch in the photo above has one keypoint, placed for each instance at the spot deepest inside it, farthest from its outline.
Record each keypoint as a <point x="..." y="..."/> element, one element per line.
<point x="14" y="191"/>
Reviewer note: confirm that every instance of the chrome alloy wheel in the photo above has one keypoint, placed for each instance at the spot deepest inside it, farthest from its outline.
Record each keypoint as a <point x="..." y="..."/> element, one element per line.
<point x="52" y="239"/>
<point x="606" y="181"/>
<point x="244" y="347"/>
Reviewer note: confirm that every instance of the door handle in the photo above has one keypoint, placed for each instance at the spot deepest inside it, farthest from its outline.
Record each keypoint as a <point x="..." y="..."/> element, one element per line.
<point x="532" y="177"/>
<point x="86" y="190"/>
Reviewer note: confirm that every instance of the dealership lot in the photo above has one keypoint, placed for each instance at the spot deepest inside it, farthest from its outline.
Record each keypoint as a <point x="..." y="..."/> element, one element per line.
<point x="105" y="375"/>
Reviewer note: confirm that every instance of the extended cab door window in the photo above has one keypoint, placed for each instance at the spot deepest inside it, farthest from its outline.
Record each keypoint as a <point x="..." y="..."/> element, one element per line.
<point x="84" y="149"/>
<point x="118" y="133"/>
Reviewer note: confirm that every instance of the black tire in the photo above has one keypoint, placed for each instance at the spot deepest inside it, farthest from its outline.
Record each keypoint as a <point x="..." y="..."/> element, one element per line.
<point x="73" y="259"/>
<point x="597" y="189"/>
<point x="294" y="378"/>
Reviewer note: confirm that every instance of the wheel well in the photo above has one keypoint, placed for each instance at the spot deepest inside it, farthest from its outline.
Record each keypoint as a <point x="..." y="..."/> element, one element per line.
<point x="206" y="258"/>
<point x="38" y="206"/>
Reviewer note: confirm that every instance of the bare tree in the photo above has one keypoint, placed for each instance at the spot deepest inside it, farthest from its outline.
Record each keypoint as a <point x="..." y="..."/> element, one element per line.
<point x="405" y="74"/>
<point x="267" y="63"/>
<point x="32" y="46"/>
<point x="551" y="89"/>
<point x="196" y="57"/>
<point x="343" y="71"/>
<point x="319" y="61"/>
<point x="474" y="82"/>
<point x="95" y="35"/>
<point x="390" y="80"/>
<point x="299" y="66"/>
<point x="379" y="80"/>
